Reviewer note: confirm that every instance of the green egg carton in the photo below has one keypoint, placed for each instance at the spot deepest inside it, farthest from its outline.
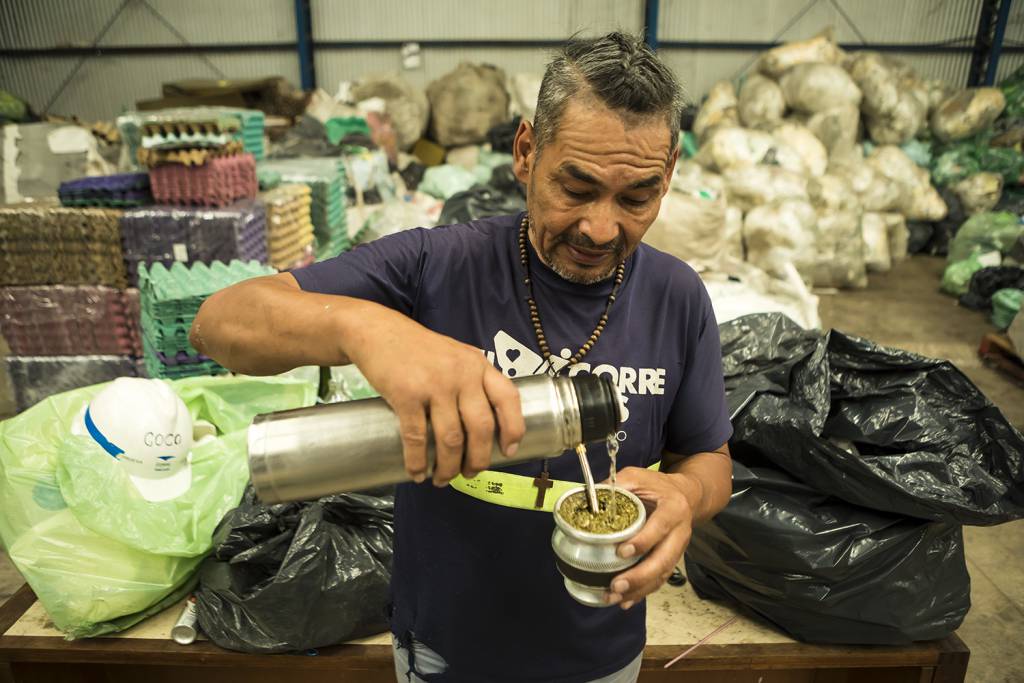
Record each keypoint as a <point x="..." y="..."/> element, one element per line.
<point x="177" y="292"/>
<point x="157" y="370"/>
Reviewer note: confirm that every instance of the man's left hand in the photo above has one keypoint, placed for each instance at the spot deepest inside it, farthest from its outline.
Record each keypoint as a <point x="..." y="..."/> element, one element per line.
<point x="663" y="537"/>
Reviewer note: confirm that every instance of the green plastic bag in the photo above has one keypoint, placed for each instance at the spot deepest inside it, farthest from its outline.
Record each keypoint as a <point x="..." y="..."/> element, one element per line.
<point x="956" y="279"/>
<point x="445" y="180"/>
<point x="99" y="556"/>
<point x="340" y="126"/>
<point x="1005" y="306"/>
<point x="982" y="232"/>
<point x="956" y="161"/>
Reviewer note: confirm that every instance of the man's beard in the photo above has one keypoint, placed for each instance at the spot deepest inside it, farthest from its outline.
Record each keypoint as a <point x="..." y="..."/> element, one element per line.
<point x="617" y="248"/>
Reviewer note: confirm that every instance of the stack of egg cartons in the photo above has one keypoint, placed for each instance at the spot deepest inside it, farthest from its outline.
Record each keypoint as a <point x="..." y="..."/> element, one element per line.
<point x="64" y="309"/>
<point x="327" y="190"/>
<point x="171" y="297"/>
<point x="246" y="126"/>
<point x="169" y="234"/>
<point x="116" y="191"/>
<point x="194" y="158"/>
<point x="289" y="226"/>
<point x="250" y="132"/>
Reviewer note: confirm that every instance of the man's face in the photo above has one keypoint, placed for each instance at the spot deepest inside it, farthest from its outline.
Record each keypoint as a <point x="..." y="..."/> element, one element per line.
<point x="595" y="188"/>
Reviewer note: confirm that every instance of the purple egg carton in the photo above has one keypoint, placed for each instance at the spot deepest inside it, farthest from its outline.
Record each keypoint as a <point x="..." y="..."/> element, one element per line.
<point x="118" y="182"/>
<point x="181" y="358"/>
<point x="166" y="234"/>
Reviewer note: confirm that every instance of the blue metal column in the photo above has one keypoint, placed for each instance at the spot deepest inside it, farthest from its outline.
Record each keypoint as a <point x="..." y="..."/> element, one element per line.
<point x="997" y="42"/>
<point x="651" y="24"/>
<point x="304" y="35"/>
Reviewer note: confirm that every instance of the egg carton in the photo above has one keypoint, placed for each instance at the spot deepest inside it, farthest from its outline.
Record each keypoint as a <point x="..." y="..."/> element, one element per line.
<point x="285" y="237"/>
<point x="63" y="320"/>
<point x="195" y="156"/>
<point x="327" y="208"/>
<point x="34" y="378"/>
<point x="170" y="293"/>
<point x="166" y="234"/>
<point x="218" y="182"/>
<point x="194" y="367"/>
<point x="123" y="189"/>
<point x="61" y="245"/>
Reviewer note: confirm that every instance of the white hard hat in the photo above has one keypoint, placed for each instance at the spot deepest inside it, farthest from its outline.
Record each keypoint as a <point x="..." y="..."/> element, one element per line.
<point x="147" y="428"/>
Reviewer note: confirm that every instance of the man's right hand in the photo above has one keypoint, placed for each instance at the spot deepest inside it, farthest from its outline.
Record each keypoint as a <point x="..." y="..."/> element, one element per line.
<point x="425" y="376"/>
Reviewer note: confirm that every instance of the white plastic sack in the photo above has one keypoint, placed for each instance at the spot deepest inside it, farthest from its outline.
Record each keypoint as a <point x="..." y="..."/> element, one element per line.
<point x="691" y="221"/>
<point x="729" y="146"/>
<point x="733" y="230"/>
<point x="967" y="113"/>
<point x="818" y="87"/>
<point x="839" y="250"/>
<point x="812" y="153"/>
<point x="879" y="86"/>
<point x="751" y="186"/>
<point x="466" y="103"/>
<point x="740" y="289"/>
<point x="980" y="191"/>
<point x="921" y="201"/>
<point x="405" y="104"/>
<point x="718" y="109"/>
<point x="875" y="191"/>
<point x="781" y="233"/>
<point x="836" y="128"/>
<point x="832" y="192"/>
<point x="899" y="235"/>
<point x="524" y="89"/>
<point x="903" y="122"/>
<point x="778" y="60"/>
<point x="761" y="103"/>
<point x="877" y="257"/>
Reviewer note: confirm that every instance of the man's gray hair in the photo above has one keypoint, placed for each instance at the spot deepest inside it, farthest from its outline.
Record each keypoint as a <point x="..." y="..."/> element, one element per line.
<point x="620" y="71"/>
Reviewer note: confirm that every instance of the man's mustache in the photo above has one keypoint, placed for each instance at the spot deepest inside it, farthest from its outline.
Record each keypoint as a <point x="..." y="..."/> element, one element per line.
<point x="583" y="242"/>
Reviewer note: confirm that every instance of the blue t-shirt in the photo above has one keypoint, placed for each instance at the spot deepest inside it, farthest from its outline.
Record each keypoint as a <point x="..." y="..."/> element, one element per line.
<point x="477" y="582"/>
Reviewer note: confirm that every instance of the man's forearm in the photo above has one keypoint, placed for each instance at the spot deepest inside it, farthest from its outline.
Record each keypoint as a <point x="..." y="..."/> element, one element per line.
<point x="706" y="481"/>
<point x="268" y="325"/>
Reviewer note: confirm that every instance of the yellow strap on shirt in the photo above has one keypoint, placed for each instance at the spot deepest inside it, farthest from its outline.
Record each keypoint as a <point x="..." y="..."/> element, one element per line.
<point x="514" y="490"/>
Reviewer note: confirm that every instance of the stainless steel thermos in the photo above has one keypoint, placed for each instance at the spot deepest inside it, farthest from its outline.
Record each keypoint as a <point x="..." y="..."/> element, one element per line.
<point x="342" y="447"/>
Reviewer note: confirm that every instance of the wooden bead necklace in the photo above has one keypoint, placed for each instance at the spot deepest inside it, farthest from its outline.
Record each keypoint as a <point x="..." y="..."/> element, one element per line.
<point x="542" y="341"/>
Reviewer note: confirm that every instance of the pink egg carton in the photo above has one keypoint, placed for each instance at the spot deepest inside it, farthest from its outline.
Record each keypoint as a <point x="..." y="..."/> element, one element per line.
<point x="218" y="182"/>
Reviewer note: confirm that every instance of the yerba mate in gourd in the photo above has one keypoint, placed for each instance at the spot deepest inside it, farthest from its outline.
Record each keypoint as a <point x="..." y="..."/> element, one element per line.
<point x="609" y="518"/>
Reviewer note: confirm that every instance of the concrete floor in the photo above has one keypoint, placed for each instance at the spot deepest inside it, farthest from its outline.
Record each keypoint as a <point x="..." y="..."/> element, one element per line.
<point x="904" y="308"/>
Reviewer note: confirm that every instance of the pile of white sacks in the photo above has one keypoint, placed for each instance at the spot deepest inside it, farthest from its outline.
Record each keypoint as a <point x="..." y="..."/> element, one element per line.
<point x="781" y="190"/>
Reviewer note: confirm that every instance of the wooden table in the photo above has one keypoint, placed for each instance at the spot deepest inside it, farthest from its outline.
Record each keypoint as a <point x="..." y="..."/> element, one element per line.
<point x="749" y="651"/>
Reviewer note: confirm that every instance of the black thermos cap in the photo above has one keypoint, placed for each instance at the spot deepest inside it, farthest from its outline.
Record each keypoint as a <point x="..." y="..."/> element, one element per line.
<point x="599" y="406"/>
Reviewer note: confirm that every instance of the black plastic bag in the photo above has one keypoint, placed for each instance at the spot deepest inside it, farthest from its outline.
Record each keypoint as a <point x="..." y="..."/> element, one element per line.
<point x="921" y="234"/>
<point x="988" y="281"/>
<point x="299" y="575"/>
<point x="501" y="197"/>
<point x="880" y="428"/>
<point x="945" y="230"/>
<point x="827" y="571"/>
<point x="503" y="135"/>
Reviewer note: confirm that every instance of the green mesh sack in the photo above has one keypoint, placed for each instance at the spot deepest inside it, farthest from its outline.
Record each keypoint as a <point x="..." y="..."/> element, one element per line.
<point x="100" y="557"/>
<point x="1005" y="306"/>
<point x="956" y="279"/>
<point x="983" y="232"/>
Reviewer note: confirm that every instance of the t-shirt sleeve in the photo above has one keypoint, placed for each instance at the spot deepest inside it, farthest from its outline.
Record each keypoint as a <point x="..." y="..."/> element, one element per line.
<point x="386" y="271"/>
<point x="699" y="418"/>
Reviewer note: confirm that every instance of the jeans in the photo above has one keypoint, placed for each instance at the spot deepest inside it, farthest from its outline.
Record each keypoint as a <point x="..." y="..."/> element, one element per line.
<point x="429" y="662"/>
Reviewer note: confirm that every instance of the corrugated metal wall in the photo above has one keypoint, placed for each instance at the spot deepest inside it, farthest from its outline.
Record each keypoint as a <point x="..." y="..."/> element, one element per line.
<point x="878" y="21"/>
<point x="107" y="85"/>
<point x="483" y="20"/>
